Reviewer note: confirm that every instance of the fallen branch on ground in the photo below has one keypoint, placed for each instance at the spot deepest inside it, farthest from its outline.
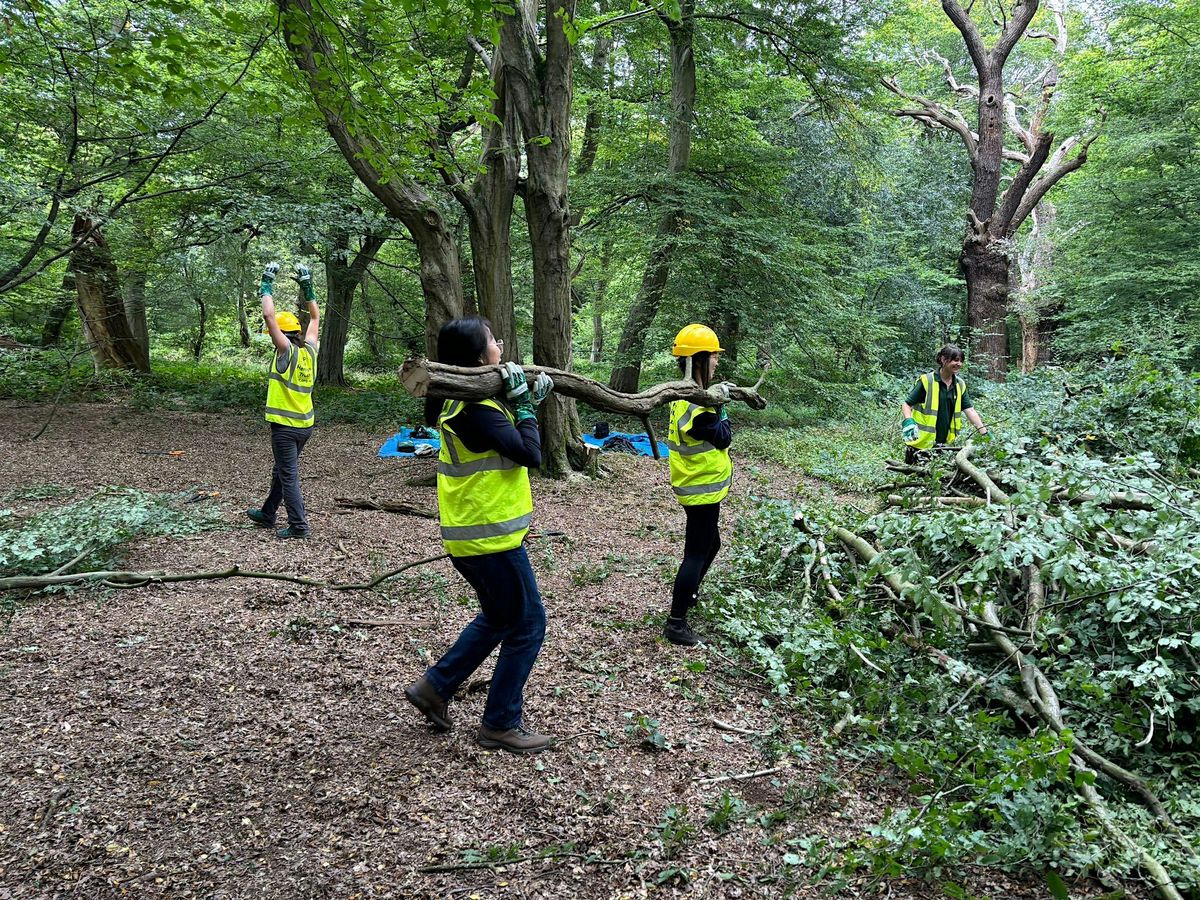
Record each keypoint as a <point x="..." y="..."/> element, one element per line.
<point x="128" y="579"/>
<point x="822" y="558"/>
<point x="725" y="726"/>
<point x="392" y="506"/>
<point x="741" y="776"/>
<point x="962" y="459"/>
<point x="421" y="377"/>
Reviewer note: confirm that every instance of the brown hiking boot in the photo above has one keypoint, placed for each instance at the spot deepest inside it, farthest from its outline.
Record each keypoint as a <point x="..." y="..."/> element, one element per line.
<point x="514" y="740"/>
<point x="422" y="695"/>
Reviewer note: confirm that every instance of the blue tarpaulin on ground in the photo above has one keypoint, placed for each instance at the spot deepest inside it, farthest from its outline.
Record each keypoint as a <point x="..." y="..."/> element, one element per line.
<point x="404" y="436"/>
<point x="640" y="442"/>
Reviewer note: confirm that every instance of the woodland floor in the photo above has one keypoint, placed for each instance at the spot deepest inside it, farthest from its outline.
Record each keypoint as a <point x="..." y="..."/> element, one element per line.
<point x="242" y="738"/>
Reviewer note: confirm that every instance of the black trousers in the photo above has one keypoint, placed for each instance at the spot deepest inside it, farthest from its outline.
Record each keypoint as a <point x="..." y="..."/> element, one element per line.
<point x="702" y="540"/>
<point x="287" y="442"/>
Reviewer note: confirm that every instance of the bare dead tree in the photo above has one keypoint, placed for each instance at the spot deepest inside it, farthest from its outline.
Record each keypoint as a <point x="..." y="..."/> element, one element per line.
<point x="986" y="259"/>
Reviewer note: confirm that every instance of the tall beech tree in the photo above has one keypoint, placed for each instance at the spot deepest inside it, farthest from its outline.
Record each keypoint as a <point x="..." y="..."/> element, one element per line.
<point x="540" y="64"/>
<point x="986" y="260"/>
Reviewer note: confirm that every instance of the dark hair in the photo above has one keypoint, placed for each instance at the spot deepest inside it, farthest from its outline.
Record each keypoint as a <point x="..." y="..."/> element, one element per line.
<point x="296" y="337"/>
<point x="699" y="367"/>
<point x="949" y="353"/>
<point x="460" y="342"/>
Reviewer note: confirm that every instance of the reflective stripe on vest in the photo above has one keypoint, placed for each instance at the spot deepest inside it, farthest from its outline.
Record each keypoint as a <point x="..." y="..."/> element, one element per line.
<point x="700" y="473"/>
<point x="926" y="414"/>
<point x="289" y="393"/>
<point x="484" y="500"/>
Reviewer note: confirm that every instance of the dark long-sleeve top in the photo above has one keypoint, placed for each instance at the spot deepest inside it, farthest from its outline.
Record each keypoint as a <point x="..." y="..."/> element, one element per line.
<point x="482" y="428"/>
<point x="706" y="427"/>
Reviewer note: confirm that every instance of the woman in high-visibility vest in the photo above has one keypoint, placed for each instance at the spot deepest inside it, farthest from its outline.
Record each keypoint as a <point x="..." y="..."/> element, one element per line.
<point x="289" y="401"/>
<point x="701" y="473"/>
<point x="935" y="407"/>
<point x="485" y="506"/>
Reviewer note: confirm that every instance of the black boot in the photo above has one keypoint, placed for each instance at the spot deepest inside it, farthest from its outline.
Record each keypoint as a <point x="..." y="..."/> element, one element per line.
<point x="678" y="632"/>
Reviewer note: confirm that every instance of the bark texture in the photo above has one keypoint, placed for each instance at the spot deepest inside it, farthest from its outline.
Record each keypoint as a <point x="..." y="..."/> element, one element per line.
<point x="134" y="293"/>
<point x="101" y="306"/>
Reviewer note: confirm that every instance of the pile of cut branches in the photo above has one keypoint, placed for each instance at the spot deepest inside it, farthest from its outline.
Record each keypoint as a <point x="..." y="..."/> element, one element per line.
<point x="1018" y="628"/>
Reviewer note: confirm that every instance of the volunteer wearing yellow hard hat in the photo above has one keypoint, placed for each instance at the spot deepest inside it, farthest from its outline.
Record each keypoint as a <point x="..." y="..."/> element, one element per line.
<point x="485" y="506"/>
<point x="701" y="473"/>
<point x="289" y="401"/>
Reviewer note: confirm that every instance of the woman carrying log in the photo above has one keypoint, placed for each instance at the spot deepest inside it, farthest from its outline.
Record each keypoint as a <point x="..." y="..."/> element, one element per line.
<point x="485" y="507"/>
<point x="701" y="473"/>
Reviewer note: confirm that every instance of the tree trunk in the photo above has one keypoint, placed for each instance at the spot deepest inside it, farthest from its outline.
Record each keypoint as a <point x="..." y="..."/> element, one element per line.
<point x="600" y="74"/>
<point x="372" y="323"/>
<point x="489" y="216"/>
<point x="57" y="317"/>
<point x="1037" y="319"/>
<point x="986" y="268"/>
<point x="101" y="307"/>
<point x="245" y="288"/>
<point x="599" y="296"/>
<point x="631" y="348"/>
<point x="342" y="277"/>
<point x="202" y="326"/>
<point x="335" y="323"/>
<point x="595" y="113"/>
<point x="135" y="309"/>
<point x="541" y="93"/>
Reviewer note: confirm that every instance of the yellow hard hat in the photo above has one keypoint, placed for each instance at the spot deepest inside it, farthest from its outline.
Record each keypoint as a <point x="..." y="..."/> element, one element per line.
<point x="287" y="321"/>
<point x="695" y="338"/>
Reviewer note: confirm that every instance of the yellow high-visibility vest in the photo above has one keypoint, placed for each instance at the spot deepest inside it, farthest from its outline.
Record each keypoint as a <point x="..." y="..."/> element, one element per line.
<point x="289" y="393"/>
<point x="926" y="414"/>
<point x="700" y="473"/>
<point x="484" y="501"/>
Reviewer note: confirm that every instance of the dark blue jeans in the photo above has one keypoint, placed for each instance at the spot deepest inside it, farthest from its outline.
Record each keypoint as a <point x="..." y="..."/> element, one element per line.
<point x="286" y="444"/>
<point x="511" y="616"/>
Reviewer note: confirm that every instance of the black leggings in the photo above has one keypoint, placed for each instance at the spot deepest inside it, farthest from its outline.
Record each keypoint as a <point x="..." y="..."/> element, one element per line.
<point x="702" y="540"/>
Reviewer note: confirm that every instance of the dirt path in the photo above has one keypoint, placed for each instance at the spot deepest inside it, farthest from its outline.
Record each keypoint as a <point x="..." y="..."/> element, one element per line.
<point x="241" y="739"/>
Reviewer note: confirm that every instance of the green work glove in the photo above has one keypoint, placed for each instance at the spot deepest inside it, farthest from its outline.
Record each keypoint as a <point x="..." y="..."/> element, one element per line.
<point x="303" y="277"/>
<point x="516" y="391"/>
<point x="514" y="383"/>
<point x="542" y="386"/>
<point x="266" y="286"/>
<point x="909" y="430"/>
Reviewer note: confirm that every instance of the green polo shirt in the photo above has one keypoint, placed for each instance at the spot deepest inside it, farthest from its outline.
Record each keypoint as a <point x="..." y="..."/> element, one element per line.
<point x="945" y="408"/>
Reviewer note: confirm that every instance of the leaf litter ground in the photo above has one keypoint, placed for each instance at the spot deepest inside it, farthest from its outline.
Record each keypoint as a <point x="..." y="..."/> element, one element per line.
<point x="243" y="738"/>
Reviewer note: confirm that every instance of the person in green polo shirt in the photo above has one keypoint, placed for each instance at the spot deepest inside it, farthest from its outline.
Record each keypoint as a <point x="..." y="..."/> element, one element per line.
<point x="289" y="401"/>
<point x="935" y="407"/>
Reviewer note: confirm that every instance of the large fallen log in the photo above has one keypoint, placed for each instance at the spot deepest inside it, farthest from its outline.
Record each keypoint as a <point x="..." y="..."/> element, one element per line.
<point x="421" y="377"/>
